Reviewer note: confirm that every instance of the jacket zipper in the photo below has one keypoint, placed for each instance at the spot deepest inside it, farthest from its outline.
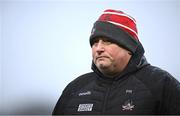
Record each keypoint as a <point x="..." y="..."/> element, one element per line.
<point x="106" y="98"/>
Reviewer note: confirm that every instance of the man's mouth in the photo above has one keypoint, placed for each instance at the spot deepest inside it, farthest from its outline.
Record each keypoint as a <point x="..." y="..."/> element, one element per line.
<point x="101" y="57"/>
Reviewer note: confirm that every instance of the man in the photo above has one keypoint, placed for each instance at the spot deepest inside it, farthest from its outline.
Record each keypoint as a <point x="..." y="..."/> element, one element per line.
<point x="122" y="81"/>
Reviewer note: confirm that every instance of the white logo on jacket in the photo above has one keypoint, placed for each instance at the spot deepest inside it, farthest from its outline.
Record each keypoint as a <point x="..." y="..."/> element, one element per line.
<point x="128" y="105"/>
<point x="85" y="107"/>
<point x="85" y="93"/>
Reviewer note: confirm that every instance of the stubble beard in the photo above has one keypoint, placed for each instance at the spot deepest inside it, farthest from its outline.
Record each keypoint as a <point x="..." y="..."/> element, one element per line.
<point x="104" y="64"/>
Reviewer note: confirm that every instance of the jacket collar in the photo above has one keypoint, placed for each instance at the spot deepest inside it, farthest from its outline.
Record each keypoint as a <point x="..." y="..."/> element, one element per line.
<point x="136" y="62"/>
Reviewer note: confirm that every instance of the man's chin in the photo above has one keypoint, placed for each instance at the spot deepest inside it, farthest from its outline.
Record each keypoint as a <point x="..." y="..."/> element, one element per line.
<point x="103" y="66"/>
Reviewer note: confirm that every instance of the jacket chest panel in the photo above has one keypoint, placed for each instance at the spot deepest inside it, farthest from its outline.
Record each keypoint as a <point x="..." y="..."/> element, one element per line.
<point x="128" y="97"/>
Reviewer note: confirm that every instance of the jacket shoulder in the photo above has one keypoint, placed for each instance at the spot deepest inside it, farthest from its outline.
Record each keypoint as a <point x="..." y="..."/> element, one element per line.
<point x="79" y="82"/>
<point x="164" y="87"/>
<point x="153" y="73"/>
<point x="82" y="79"/>
<point x="70" y="89"/>
<point x="155" y="79"/>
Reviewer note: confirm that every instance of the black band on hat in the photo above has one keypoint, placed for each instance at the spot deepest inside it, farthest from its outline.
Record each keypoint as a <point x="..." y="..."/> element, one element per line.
<point x="114" y="34"/>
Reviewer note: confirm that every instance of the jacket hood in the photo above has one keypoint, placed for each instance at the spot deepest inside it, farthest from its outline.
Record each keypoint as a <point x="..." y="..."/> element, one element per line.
<point x="136" y="62"/>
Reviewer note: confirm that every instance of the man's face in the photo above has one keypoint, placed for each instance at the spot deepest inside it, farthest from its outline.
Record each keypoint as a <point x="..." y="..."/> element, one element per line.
<point x="108" y="57"/>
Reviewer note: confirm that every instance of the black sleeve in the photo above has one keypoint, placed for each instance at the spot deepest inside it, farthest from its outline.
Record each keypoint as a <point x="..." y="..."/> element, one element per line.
<point x="69" y="92"/>
<point x="59" y="108"/>
<point x="171" y="97"/>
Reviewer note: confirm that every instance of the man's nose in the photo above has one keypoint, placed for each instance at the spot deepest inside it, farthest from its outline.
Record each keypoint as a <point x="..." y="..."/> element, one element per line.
<point x="100" y="46"/>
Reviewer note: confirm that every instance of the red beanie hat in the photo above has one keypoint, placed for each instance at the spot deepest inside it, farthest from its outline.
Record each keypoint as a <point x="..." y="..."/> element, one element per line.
<point x="118" y="27"/>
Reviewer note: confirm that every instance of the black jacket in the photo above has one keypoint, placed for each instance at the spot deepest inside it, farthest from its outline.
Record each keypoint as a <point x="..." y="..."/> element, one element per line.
<point x="139" y="89"/>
